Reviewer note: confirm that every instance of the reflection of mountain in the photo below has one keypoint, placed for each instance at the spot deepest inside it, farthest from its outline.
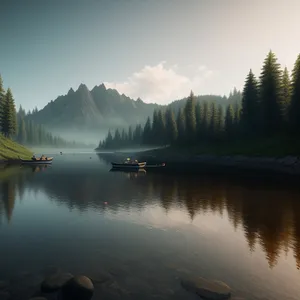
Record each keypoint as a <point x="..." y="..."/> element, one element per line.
<point x="268" y="216"/>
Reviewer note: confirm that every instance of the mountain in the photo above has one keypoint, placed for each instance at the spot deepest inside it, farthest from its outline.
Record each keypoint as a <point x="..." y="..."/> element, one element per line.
<point x="85" y="114"/>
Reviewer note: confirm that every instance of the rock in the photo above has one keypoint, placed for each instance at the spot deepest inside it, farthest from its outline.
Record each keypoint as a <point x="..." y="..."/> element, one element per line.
<point x="208" y="289"/>
<point x="78" y="288"/>
<point x="55" y="282"/>
<point x="4" y="295"/>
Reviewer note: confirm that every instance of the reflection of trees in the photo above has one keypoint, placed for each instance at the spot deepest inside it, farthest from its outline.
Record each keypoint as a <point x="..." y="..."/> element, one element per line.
<point x="12" y="181"/>
<point x="269" y="217"/>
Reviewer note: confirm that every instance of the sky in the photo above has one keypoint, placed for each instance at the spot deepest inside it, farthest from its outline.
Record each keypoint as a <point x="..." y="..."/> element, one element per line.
<point x="158" y="50"/>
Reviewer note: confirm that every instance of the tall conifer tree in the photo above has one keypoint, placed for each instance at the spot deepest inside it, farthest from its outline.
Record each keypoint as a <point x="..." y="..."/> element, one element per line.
<point x="270" y="95"/>
<point x="294" y="111"/>
<point x="190" y="117"/>
<point x="250" y="105"/>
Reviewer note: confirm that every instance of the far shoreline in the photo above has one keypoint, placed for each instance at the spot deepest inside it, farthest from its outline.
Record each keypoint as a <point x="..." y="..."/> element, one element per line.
<point x="176" y="161"/>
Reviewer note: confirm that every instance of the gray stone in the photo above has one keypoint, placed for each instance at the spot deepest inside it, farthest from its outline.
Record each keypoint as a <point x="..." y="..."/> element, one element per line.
<point x="55" y="282"/>
<point x="208" y="289"/>
<point x="78" y="288"/>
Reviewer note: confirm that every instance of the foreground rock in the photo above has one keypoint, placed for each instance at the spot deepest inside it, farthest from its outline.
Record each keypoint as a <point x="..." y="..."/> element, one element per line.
<point x="78" y="288"/>
<point x="207" y="289"/>
<point x="55" y="282"/>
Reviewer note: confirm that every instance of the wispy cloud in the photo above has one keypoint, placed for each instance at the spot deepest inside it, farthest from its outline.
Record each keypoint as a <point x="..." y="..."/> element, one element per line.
<point x="163" y="84"/>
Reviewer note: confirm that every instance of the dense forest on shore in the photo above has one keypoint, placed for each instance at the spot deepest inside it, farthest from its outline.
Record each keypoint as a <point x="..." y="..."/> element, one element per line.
<point x="269" y="110"/>
<point x="17" y="127"/>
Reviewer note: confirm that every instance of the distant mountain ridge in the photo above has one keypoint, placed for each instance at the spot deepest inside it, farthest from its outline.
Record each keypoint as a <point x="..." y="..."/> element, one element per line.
<point x="86" y="115"/>
<point x="85" y="109"/>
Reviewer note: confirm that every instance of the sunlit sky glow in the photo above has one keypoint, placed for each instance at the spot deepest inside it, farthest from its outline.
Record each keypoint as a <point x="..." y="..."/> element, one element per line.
<point x="155" y="50"/>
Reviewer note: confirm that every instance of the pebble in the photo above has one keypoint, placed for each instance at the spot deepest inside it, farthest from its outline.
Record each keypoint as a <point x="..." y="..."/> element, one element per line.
<point x="78" y="288"/>
<point x="55" y="282"/>
<point x="208" y="289"/>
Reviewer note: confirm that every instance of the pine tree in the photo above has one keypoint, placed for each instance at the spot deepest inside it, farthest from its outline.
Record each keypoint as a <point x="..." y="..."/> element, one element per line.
<point x="294" y="111"/>
<point x="181" y="126"/>
<point x="117" y="138"/>
<point x="205" y="119"/>
<point x="137" y="135"/>
<point x="161" y="126"/>
<point x="286" y="94"/>
<point x="22" y="138"/>
<point x="9" y="116"/>
<point x="237" y="109"/>
<point x="109" y="140"/>
<point x="270" y="95"/>
<point x="219" y="121"/>
<point x="2" y="100"/>
<point x="124" y="137"/>
<point x="229" y="122"/>
<point x="40" y="134"/>
<point x="147" y="132"/>
<point x="198" y="113"/>
<point x="190" y="117"/>
<point x="213" y="121"/>
<point x="171" y="127"/>
<point x="129" y="136"/>
<point x="250" y="105"/>
<point x="155" y="129"/>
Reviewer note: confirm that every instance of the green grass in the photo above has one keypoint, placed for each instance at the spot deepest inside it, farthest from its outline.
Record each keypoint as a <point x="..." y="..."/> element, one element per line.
<point x="11" y="150"/>
<point x="273" y="147"/>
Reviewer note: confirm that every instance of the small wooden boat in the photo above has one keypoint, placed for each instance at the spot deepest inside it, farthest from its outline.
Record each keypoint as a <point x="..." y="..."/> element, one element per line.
<point x="129" y="165"/>
<point x="47" y="160"/>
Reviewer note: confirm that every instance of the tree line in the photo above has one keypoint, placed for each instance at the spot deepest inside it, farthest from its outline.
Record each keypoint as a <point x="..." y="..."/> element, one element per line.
<point x="269" y="107"/>
<point x="16" y="126"/>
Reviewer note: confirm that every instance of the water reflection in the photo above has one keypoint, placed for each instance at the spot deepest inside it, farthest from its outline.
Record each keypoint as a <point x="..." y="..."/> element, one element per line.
<point x="269" y="216"/>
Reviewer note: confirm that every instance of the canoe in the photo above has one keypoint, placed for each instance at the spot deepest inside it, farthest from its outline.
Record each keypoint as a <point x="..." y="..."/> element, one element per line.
<point x="37" y="161"/>
<point x="129" y="165"/>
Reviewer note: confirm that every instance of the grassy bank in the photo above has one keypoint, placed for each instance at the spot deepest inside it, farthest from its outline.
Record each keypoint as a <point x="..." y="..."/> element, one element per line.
<point x="10" y="150"/>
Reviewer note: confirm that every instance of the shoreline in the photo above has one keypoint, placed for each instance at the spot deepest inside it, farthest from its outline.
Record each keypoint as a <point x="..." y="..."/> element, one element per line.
<point x="241" y="164"/>
<point x="13" y="161"/>
<point x="289" y="165"/>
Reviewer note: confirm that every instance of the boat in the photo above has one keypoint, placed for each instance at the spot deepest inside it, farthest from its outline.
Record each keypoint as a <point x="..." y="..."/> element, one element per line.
<point x="129" y="165"/>
<point x="37" y="161"/>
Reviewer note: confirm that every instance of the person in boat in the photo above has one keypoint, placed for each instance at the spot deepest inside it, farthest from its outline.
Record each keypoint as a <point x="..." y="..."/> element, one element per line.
<point x="33" y="157"/>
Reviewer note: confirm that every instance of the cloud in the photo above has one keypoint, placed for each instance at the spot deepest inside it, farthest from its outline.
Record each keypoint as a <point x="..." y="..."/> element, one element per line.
<point x="161" y="84"/>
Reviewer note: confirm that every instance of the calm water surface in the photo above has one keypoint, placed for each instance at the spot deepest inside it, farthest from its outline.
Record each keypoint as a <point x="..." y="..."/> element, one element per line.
<point x="147" y="231"/>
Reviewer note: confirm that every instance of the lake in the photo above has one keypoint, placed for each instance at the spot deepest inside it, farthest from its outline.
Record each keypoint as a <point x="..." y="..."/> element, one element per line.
<point x="139" y="234"/>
